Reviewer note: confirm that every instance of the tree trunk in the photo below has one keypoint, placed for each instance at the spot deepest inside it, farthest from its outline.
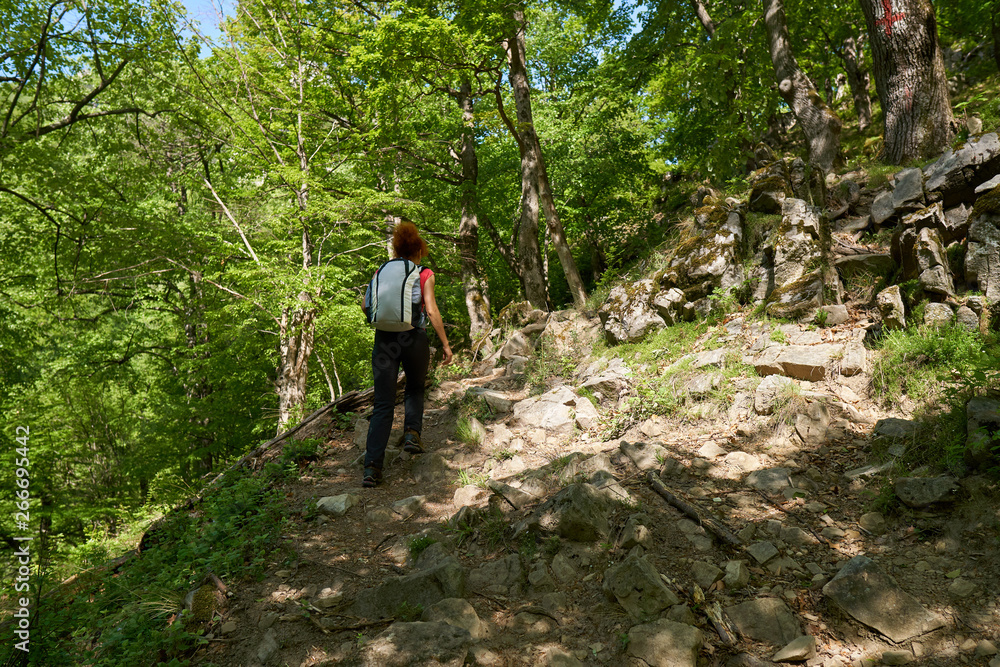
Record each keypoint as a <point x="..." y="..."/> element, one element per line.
<point x="529" y="254"/>
<point x="858" y="78"/>
<point x="532" y="145"/>
<point x="819" y="123"/>
<point x="296" y="336"/>
<point x="909" y="77"/>
<point x="477" y="299"/>
<point x="996" y="32"/>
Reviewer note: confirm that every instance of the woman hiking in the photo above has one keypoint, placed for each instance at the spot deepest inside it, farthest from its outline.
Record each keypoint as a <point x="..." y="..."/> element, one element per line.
<point x="400" y="302"/>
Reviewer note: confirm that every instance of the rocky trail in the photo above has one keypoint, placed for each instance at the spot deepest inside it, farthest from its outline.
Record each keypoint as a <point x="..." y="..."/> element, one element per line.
<point x="558" y="518"/>
<point x="565" y="554"/>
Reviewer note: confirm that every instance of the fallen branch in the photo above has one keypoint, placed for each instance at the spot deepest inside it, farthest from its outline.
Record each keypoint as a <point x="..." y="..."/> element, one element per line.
<point x="712" y="525"/>
<point x="722" y="626"/>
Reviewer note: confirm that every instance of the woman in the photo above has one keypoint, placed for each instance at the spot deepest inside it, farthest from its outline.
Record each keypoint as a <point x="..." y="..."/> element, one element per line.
<point x="411" y="350"/>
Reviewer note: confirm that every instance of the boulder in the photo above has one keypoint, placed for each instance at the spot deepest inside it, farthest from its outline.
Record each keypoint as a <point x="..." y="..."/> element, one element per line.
<point x="502" y="576"/>
<point x="708" y="259"/>
<point x="865" y="267"/>
<point x="922" y="255"/>
<point x="855" y="359"/>
<point x="938" y="315"/>
<point x="922" y="492"/>
<point x="797" y="650"/>
<point x="670" y="305"/>
<point x="420" y="643"/>
<point x="802" y="362"/>
<point x="558" y="411"/>
<point x="967" y="318"/>
<point x="770" y="391"/>
<point x="982" y="258"/>
<point x="579" y="513"/>
<point x="766" y="620"/>
<point x="769" y="187"/>
<point x="628" y="315"/>
<point x="956" y="174"/>
<point x="518" y="345"/>
<point x="870" y="596"/>
<point x="570" y="332"/>
<point x="665" y="643"/>
<point x="638" y="588"/>
<point x="890" y="306"/>
<point x="425" y="587"/>
<point x="797" y="250"/>
<point x="982" y="444"/>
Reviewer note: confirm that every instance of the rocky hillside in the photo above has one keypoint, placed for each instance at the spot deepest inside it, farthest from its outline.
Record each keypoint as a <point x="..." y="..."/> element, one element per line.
<point x="682" y="480"/>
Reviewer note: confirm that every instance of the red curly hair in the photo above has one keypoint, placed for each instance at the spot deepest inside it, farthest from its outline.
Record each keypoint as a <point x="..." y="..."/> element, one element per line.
<point x="406" y="242"/>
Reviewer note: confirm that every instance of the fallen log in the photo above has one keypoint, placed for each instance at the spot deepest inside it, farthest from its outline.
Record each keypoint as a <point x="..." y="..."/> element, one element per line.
<point x="710" y="524"/>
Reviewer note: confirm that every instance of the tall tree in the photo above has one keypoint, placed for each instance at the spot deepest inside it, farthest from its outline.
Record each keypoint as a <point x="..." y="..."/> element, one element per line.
<point x="910" y="78"/>
<point x="534" y="175"/>
<point x="818" y="121"/>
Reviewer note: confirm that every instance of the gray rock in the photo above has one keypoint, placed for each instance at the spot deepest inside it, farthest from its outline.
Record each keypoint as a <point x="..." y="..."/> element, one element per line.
<point x="737" y="575"/>
<point x="890" y="305"/>
<point x="705" y="574"/>
<point x="771" y="480"/>
<point x="456" y="612"/>
<point x="902" y="430"/>
<point x="635" y="532"/>
<point x="988" y="185"/>
<point x="670" y="305"/>
<point x="424" y="587"/>
<point x="762" y="551"/>
<point x="742" y="461"/>
<point x="921" y="492"/>
<point x="627" y="315"/>
<point x="468" y="496"/>
<point x="896" y="657"/>
<point x="419" y="643"/>
<point x="503" y="575"/>
<point x="938" y="314"/>
<point x="638" y="588"/>
<point x="518" y="345"/>
<point x="873" y="522"/>
<point x="835" y="314"/>
<point x="908" y="188"/>
<point x="769" y="187"/>
<point x="982" y="415"/>
<point x="579" y="513"/>
<point x="803" y="362"/>
<point x="645" y="456"/>
<point x="766" y="620"/>
<point x="812" y="425"/>
<point x="555" y="411"/>
<point x="769" y="391"/>
<point x="967" y="318"/>
<point x="361" y="433"/>
<point x="983" y="251"/>
<point x="702" y="385"/>
<point x="797" y="650"/>
<point x="564" y="570"/>
<point x="268" y="647"/>
<point x="337" y="505"/>
<point x="870" y="596"/>
<point x="956" y="173"/>
<point x="747" y="660"/>
<point x="665" y="643"/>
<point x="430" y="468"/>
<point x="710" y="258"/>
<point x="407" y="507"/>
<point x="962" y="588"/>
<point x="855" y="359"/>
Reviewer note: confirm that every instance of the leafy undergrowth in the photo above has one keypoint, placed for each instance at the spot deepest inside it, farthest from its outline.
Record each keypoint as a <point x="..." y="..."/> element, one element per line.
<point x="137" y="616"/>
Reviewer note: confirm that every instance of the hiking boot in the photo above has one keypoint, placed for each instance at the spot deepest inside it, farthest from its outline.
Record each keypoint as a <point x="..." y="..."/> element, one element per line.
<point x="412" y="444"/>
<point x="372" y="477"/>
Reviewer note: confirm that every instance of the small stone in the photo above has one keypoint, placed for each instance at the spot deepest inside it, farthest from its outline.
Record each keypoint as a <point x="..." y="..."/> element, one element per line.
<point x="962" y="588"/>
<point x="705" y="574"/>
<point x="737" y="575"/>
<point x="896" y="657"/>
<point x="832" y="533"/>
<point x="762" y="551"/>
<point x="801" y="648"/>
<point x="985" y="648"/>
<point x="230" y="626"/>
<point x="968" y="645"/>
<point x="873" y="522"/>
<point x="995" y="662"/>
<point x="283" y="574"/>
<point x="337" y="505"/>
<point x="922" y="566"/>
